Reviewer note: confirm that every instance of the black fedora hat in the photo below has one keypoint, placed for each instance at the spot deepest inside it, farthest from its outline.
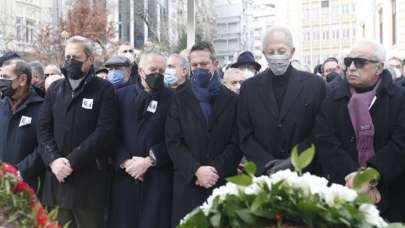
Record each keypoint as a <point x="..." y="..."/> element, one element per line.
<point x="246" y="58"/>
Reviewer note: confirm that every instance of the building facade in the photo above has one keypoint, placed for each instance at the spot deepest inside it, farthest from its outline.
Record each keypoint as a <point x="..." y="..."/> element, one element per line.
<point x="20" y="21"/>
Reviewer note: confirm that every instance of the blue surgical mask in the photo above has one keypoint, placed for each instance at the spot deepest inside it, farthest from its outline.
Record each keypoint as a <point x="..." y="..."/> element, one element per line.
<point x="170" y="77"/>
<point x="201" y="77"/>
<point x="116" y="77"/>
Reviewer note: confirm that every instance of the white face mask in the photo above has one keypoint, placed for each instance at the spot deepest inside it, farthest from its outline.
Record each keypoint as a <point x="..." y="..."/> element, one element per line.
<point x="247" y="73"/>
<point x="170" y="77"/>
<point x="278" y="64"/>
<point x="397" y="73"/>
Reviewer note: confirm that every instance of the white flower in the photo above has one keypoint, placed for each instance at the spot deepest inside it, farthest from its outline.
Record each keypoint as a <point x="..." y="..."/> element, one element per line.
<point x="372" y="215"/>
<point x="253" y="189"/>
<point x="338" y="192"/>
<point x="286" y="175"/>
<point x="316" y="185"/>
<point x="221" y="193"/>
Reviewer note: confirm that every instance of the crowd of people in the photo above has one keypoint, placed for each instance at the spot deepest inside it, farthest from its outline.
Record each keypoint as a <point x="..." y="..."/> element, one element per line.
<point x="141" y="144"/>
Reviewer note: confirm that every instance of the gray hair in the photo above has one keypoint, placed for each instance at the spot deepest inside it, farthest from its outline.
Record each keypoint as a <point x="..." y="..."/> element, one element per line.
<point x="56" y="68"/>
<point x="379" y="53"/>
<point x="183" y="61"/>
<point x="145" y="55"/>
<point x="231" y="71"/>
<point x="278" y="29"/>
<point x="37" y="70"/>
<point x="87" y="43"/>
<point x="21" y="67"/>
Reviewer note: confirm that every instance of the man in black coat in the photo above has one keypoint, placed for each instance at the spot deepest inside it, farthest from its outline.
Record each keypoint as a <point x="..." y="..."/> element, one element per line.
<point x="19" y="110"/>
<point x="201" y="134"/>
<point x="142" y="185"/>
<point x="76" y="131"/>
<point x="277" y="108"/>
<point x="362" y="124"/>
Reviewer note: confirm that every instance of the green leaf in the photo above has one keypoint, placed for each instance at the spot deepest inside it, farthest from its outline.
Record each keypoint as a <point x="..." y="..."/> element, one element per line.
<point x="246" y="216"/>
<point x="242" y="180"/>
<point x="250" y="168"/>
<point x="364" y="177"/>
<point x="216" y="220"/>
<point x="301" y="161"/>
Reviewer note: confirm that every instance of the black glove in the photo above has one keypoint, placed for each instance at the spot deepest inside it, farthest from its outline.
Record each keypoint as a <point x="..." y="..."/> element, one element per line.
<point x="277" y="165"/>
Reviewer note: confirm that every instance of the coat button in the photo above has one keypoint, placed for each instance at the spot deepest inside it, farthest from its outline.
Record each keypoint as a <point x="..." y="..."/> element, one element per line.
<point x="280" y="125"/>
<point x="352" y="139"/>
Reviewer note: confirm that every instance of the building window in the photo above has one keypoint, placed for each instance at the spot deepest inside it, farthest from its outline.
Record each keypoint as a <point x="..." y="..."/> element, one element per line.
<point x="19" y="28"/>
<point x="325" y="3"/>
<point x="394" y="21"/>
<point x="380" y="24"/>
<point x="29" y="31"/>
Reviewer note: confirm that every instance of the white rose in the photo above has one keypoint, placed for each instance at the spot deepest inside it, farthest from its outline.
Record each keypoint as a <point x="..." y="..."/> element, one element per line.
<point x="339" y="192"/>
<point x="372" y="215"/>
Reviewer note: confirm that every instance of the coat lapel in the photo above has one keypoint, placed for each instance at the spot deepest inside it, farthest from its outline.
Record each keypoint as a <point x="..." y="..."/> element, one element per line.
<point x="267" y="95"/>
<point x="220" y="105"/>
<point x="294" y="88"/>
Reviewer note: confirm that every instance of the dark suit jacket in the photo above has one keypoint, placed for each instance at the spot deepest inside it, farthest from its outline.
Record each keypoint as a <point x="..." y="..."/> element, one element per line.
<point x="80" y="126"/>
<point x="336" y="142"/>
<point x="192" y="142"/>
<point x="267" y="133"/>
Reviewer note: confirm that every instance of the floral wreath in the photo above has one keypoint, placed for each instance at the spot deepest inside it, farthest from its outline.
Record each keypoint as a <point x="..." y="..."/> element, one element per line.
<point x="288" y="199"/>
<point x="19" y="202"/>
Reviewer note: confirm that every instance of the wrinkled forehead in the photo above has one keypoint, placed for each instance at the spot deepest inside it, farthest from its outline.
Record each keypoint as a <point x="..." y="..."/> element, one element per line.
<point x="155" y="61"/>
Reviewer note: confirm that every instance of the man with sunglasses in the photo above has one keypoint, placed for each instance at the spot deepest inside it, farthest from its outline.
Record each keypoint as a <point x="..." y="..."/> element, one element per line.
<point x="77" y="127"/>
<point x="362" y="124"/>
<point x="19" y="110"/>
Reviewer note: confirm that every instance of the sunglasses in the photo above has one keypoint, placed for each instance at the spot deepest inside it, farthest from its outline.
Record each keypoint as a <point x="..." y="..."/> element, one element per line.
<point x="130" y="51"/>
<point x="358" y="62"/>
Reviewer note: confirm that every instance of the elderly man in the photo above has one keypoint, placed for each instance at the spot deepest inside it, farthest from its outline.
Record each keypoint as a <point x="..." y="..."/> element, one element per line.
<point x="127" y="50"/>
<point x="177" y="72"/>
<point x="201" y="134"/>
<point x="119" y="70"/>
<point x="397" y="66"/>
<point x="277" y="108"/>
<point x="77" y="133"/>
<point x="247" y="64"/>
<point x="142" y="186"/>
<point x="51" y="69"/>
<point x="233" y="79"/>
<point x="38" y="78"/>
<point x="362" y="124"/>
<point x="19" y="110"/>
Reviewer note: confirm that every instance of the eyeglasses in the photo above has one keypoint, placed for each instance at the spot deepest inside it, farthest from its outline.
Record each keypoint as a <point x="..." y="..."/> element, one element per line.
<point x="130" y="51"/>
<point x="358" y="62"/>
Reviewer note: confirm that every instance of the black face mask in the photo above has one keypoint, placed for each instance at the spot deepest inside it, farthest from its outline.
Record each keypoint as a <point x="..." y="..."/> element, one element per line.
<point x="74" y="69"/>
<point x="154" y="81"/>
<point x="6" y="89"/>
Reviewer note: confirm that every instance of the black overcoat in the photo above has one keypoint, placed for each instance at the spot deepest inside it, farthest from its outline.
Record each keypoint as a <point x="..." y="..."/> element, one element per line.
<point x="336" y="142"/>
<point x="267" y="133"/>
<point x="193" y="142"/>
<point x="80" y="126"/>
<point x="144" y="204"/>
<point x="18" y="137"/>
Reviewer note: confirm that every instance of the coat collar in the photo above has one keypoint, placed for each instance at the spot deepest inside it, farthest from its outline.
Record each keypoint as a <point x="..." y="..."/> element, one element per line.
<point x="342" y="89"/>
<point x="222" y="99"/>
<point x="294" y="88"/>
<point x="32" y="98"/>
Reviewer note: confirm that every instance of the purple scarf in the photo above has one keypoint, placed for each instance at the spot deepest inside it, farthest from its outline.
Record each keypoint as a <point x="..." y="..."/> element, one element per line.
<point x="362" y="122"/>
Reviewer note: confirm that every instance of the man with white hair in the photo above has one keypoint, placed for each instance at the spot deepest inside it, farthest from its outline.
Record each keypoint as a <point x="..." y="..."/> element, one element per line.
<point x="76" y="133"/>
<point x="277" y="107"/>
<point x="362" y="124"/>
<point x="142" y="185"/>
<point x="233" y="78"/>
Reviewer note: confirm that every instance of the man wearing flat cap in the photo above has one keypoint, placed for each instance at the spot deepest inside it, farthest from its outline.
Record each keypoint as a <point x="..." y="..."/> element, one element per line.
<point x="247" y="64"/>
<point x="118" y="71"/>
